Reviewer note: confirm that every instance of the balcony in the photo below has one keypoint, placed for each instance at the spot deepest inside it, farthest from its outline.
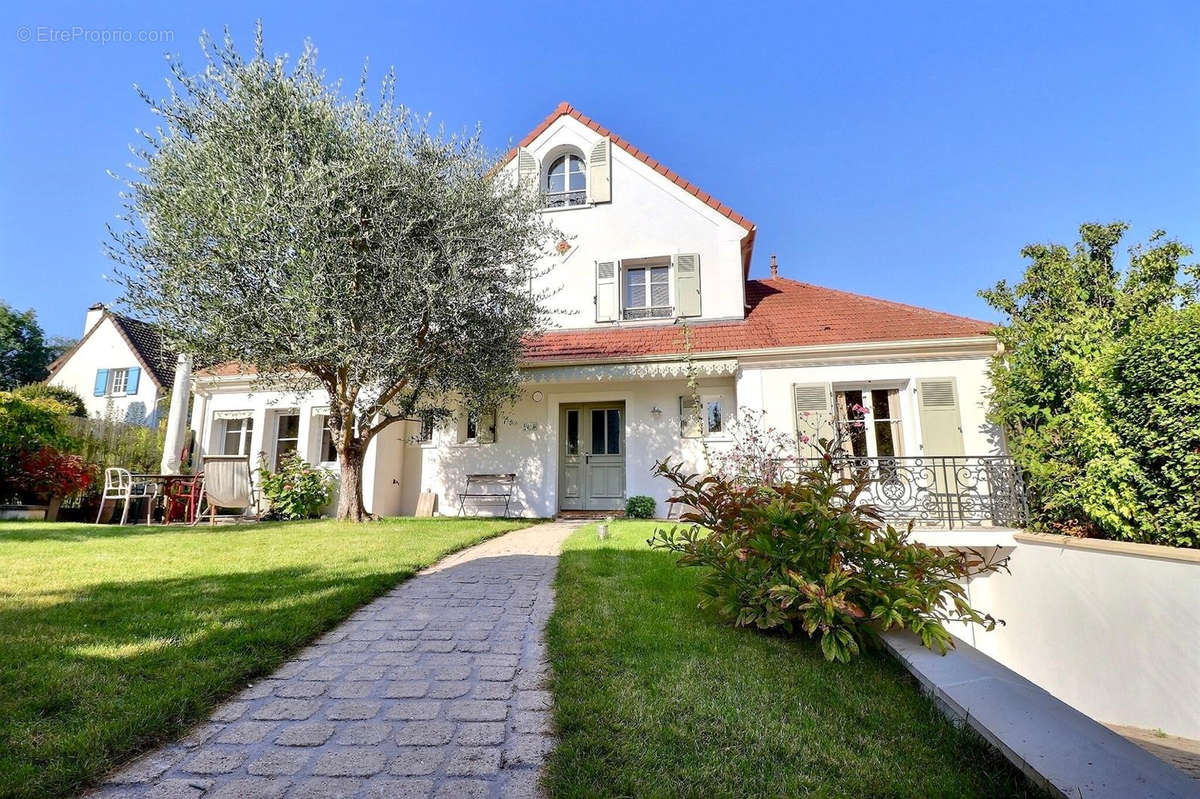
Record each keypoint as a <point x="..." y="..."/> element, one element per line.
<point x="949" y="492"/>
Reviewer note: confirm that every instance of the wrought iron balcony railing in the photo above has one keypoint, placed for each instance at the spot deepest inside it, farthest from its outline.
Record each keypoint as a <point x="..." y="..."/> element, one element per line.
<point x="937" y="491"/>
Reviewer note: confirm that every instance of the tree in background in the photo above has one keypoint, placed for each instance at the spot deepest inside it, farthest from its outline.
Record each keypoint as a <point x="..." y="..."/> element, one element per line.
<point x="1057" y="391"/>
<point x="23" y="352"/>
<point x="322" y="241"/>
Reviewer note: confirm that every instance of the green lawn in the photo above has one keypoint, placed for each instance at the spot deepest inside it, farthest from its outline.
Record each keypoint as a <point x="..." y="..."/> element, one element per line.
<point x="113" y="639"/>
<point x="656" y="698"/>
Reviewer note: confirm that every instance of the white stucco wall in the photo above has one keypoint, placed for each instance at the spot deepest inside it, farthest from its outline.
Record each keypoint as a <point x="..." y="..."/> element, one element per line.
<point x="768" y="384"/>
<point x="527" y="444"/>
<point x="106" y="348"/>
<point x="1112" y="633"/>
<point x="649" y="216"/>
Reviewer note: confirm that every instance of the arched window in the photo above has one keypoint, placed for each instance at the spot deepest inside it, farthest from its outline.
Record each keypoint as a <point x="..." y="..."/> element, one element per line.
<point x="566" y="182"/>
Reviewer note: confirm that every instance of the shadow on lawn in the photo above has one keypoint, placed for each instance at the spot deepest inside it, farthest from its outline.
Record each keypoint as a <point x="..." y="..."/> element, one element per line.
<point x="653" y="695"/>
<point x="93" y="675"/>
<point x="26" y="531"/>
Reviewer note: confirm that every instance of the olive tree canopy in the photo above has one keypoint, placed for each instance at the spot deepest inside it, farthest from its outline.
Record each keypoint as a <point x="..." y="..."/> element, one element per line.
<point x="322" y="240"/>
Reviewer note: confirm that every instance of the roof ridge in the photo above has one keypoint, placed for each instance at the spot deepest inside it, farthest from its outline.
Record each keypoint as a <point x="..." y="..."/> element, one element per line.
<point x="566" y="109"/>
<point x="879" y="300"/>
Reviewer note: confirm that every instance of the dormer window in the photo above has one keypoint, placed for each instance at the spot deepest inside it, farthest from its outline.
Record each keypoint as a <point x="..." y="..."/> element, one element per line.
<point x="566" y="182"/>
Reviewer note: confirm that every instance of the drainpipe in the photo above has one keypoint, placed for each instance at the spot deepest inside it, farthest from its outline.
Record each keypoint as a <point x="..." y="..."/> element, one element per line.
<point x="177" y="419"/>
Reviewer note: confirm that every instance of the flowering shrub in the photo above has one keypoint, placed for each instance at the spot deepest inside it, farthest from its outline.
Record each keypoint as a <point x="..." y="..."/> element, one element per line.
<point x="27" y="426"/>
<point x="296" y="491"/>
<point x="758" y="453"/>
<point x="639" y="508"/>
<point x="805" y="556"/>
<point x="49" y="473"/>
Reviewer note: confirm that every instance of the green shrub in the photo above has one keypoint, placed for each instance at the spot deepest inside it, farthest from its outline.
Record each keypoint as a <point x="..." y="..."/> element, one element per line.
<point x="66" y="396"/>
<point x="804" y="556"/>
<point x="28" y="426"/>
<point x="297" y="490"/>
<point x="1155" y="407"/>
<point x="639" y="507"/>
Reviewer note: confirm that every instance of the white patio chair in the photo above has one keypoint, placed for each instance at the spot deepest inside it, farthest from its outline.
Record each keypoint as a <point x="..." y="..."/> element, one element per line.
<point x="227" y="484"/>
<point x="119" y="485"/>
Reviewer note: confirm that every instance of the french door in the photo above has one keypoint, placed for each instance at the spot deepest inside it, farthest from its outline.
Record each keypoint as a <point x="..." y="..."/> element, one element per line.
<point x="591" y="456"/>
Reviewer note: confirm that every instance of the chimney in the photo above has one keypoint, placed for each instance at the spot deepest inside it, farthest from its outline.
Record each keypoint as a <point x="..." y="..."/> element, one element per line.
<point x="774" y="267"/>
<point x="94" y="315"/>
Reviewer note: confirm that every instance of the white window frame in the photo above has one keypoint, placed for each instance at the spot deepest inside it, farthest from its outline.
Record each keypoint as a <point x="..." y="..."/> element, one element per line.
<point x="704" y="430"/>
<point x="646" y="267"/>
<point x="723" y="406"/>
<point x="275" y="453"/>
<point x="322" y="430"/>
<point x="245" y="435"/>
<point x="113" y="374"/>
<point x="569" y="198"/>
<point x="897" y="417"/>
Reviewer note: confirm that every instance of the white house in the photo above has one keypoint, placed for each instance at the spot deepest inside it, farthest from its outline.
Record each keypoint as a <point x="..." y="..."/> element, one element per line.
<point x="120" y="367"/>
<point x="645" y="256"/>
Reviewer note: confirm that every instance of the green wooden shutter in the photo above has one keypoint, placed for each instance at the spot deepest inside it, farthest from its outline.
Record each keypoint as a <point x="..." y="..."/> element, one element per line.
<point x="687" y="284"/>
<point x="941" y="425"/>
<point x="607" y="306"/>
<point x="527" y="169"/>
<point x="486" y="434"/>
<point x="101" y="383"/>
<point x="599" y="172"/>
<point x="812" y="404"/>
<point x="690" y="424"/>
<point x="131" y="379"/>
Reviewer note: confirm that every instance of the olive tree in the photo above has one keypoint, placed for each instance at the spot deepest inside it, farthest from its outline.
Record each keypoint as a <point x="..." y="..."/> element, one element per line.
<point x="322" y="240"/>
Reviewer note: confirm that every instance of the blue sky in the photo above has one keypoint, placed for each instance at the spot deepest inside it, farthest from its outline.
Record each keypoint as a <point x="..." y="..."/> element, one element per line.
<point x="904" y="150"/>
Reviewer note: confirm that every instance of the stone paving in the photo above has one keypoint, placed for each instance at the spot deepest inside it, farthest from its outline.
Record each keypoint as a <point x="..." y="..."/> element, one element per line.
<point x="433" y="690"/>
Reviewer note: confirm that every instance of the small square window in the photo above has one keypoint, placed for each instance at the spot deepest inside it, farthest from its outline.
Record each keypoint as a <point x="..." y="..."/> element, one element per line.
<point x="118" y="381"/>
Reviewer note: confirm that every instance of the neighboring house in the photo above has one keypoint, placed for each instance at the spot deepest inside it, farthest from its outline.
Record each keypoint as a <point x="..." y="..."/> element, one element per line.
<point x="646" y="254"/>
<point x="119" y="367"/>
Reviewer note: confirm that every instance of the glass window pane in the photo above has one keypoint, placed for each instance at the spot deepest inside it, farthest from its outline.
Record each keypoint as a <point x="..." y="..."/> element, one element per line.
<point x="472" y="425"/>
<point x="858" y="440"/>
<point x="289" y="426"/>
<point x="578" y="181"/>
<point x="328" y="452"/>
<point x="614" y="432"/>
<point x="880" y="406"/>
<point x="884" y="444"/>
<point x="558" y="167"/>
<point x="853" y="398"/>
<point x="716" y="419"/>
<point x="660" y="295"/>
<point x="598" y="432"/>
<point x="556" y="183"/>
<point x="572" y="432"/>
<point x="635" y="288"/>
<point x="233" y="438"/>
<point x="659" y="274"/>
<point x="575" y="164"/>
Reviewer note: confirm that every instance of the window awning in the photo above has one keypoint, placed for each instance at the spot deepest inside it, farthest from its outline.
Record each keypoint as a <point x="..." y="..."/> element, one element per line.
<point x="650" y="370"/>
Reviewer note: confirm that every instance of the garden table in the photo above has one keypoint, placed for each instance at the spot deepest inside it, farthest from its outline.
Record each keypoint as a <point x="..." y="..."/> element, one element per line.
<point x="184" y="488"/>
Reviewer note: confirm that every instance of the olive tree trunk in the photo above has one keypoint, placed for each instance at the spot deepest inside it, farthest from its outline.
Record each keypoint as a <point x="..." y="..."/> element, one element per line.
<point x="350" y="491"/>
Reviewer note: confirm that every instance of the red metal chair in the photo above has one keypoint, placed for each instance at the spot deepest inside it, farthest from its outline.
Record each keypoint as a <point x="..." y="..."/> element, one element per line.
<point x="182" y="497"/>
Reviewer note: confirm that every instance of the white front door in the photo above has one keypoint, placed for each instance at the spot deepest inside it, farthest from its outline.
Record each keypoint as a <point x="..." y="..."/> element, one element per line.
<point x="592" y="456"/>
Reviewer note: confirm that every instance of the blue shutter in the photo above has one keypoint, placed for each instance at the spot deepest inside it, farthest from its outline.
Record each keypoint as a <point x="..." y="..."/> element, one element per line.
<point x="131" y="379"/>
<point x="101" y="383"/>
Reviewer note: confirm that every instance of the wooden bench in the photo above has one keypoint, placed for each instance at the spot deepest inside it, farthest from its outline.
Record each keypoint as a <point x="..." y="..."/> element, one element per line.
<point x="484" y="488"/>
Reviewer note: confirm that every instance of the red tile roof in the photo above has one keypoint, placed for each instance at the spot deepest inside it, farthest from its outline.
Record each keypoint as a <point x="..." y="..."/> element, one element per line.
<point x="566" y="109"/>
<point x="782" y="313"/>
